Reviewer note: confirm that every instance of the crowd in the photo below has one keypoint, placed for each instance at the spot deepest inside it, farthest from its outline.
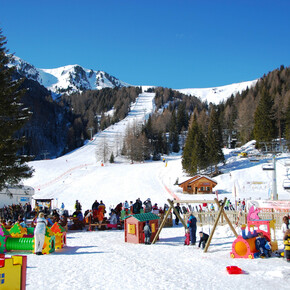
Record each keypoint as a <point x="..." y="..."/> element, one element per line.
<point x="22" y="214"/>
<point x="12" y="212"/>
<point x="27" y="216"/>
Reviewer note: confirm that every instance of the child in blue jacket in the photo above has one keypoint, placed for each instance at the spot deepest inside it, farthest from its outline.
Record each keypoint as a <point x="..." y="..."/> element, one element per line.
<point x="263" y="246"/>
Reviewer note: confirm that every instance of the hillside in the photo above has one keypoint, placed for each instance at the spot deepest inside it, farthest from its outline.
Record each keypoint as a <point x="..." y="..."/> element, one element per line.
<point x="80" y="174"/>
<point x="220" y="94"/>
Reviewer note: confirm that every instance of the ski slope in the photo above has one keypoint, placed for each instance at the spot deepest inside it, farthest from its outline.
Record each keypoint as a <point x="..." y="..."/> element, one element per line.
<point x="102" y="259"/>
<point x="80" y="174"/>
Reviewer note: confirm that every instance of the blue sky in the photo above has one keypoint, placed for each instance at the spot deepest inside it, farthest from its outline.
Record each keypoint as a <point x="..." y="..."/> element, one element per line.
<point x="177" y="44"/>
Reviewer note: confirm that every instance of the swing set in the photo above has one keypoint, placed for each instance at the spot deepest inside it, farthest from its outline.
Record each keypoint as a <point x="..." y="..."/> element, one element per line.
<point x="221" y="212"/>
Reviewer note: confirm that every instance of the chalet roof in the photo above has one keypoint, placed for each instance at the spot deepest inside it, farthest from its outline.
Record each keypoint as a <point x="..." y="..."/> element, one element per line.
<point x="197" y="177"/>
<point x="191" y="178"/>
<point x="143" y="217"/>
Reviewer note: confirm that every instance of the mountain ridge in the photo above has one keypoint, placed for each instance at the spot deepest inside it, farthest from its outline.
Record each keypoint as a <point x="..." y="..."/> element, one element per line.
<point x="74" y="78"/>
<point x="66" y="79"/>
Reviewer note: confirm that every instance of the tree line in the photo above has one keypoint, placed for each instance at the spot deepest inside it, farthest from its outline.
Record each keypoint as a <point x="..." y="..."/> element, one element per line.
<point x="261" y="112"/>
<point x="180" y="122"/>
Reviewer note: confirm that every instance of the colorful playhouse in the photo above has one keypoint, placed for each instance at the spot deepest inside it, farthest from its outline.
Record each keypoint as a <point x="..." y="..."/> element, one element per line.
<point x="134" y="225"/>
<point x="244" y="246"/>
<point x="60" y="235"/>
<point x="19" y="238"/>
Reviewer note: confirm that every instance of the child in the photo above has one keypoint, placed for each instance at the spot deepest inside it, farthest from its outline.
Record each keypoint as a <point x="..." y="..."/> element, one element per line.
<point x="39" y="233"/>
<point x="147" y="233"/>
<point x="285" y="225"/>
<point x="263" y="246"/>
<point x="287" y="245"/>
<point x="187" y="238"/>
<point x="203" y="239"/>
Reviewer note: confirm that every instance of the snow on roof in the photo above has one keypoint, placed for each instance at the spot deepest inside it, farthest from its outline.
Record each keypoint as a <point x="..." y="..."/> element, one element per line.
<point x="195" y="178"/>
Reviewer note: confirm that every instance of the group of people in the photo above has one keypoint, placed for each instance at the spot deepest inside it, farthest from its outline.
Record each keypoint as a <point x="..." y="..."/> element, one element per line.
<point x="12" y="212"/>
<point x="190" y="234"/>
<point x="263" y="246"/>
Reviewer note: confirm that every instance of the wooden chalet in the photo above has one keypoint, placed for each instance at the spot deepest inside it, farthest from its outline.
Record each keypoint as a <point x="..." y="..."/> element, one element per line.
<point x="198" y="184"/>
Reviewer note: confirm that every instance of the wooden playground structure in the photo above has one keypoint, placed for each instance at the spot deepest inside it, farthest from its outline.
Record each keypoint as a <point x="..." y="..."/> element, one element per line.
<point x="221" y="213"/>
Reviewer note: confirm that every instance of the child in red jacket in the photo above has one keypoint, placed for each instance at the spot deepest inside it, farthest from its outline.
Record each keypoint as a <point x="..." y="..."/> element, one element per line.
<point x="187" y="238"/>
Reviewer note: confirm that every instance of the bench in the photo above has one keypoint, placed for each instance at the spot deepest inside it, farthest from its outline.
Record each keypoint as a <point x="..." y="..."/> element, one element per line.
<point x="104" y="226"/>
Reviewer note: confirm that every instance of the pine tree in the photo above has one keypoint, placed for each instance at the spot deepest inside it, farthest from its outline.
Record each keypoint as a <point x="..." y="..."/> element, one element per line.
<point x="112" y="159"/>
<point x="194" y="154"/>
<point x="214" y="140"/>
<point x="182" y="119"/>
<point x="173" y="134"/>
<point x="264" y="129"/>
<point x="13" y="166"/>
<point x="287" y="123"/>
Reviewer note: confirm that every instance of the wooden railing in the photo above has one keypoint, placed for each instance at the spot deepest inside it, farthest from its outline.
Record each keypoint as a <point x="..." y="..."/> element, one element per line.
<point x="237" y="218"/>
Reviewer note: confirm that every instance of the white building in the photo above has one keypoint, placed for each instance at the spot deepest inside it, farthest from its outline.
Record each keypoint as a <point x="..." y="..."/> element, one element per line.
<point x="15" y="195"/>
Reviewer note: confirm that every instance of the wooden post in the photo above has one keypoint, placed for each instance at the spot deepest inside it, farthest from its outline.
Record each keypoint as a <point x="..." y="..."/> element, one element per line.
<point x="162" y="225"/>
<point x="227" y="219"/>
<point x="177" y="214"/>
<point x="221" y="207"/>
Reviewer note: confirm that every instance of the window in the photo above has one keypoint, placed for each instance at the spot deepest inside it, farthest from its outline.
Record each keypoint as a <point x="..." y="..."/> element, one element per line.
<point x="131" y="229"/>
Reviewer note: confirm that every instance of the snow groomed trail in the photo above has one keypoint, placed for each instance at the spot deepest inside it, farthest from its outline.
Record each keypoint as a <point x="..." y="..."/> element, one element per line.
<point x="79" y="174"/>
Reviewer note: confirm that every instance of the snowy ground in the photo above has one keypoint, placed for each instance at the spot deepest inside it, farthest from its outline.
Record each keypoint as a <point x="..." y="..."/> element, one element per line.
<point x="102" y="260"/>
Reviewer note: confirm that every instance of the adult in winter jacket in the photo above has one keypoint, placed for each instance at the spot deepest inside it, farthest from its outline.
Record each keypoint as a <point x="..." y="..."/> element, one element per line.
<point x="95" y="205"/>
<point x="113" y="218"/>
<point x="191" y="224"/>
<point x="136" y="207"/>
<point x="126" y="205"/>
<point x="39" y="233"/>
<point x="78" y="206"/>
<point x="148" y="205"/>
<point x="178" y="209"/>
<point x="147" y="233"/>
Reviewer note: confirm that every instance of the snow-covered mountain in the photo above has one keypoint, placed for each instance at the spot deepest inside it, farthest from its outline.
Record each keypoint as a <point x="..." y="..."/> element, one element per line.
<point x="216" y="95"/>
<point x="70" y="78"/>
